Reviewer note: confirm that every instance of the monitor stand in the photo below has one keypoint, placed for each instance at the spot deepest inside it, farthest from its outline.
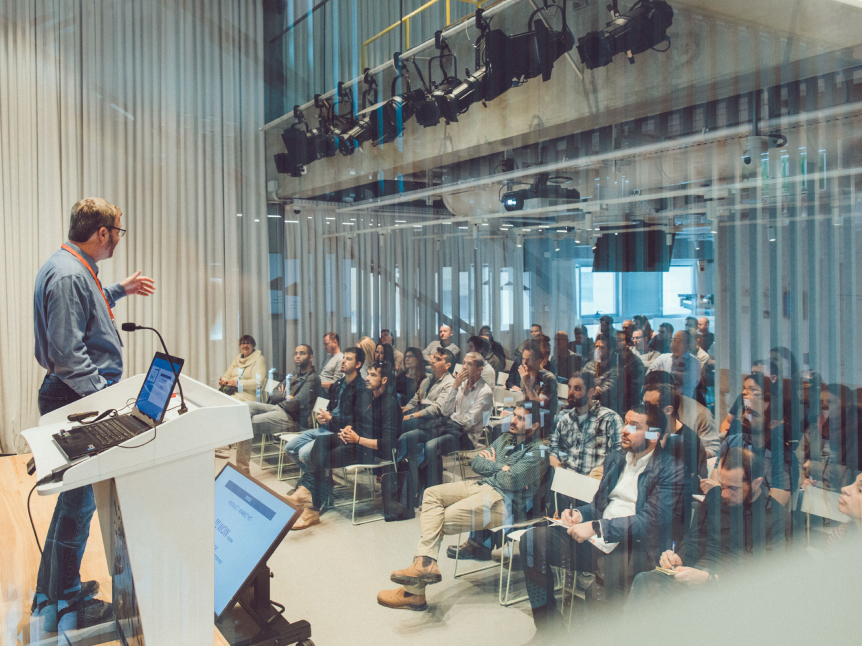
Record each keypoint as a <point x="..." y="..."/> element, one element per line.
<point x="273" y="628"/>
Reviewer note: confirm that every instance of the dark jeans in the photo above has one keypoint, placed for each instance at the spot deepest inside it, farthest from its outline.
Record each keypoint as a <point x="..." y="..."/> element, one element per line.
<point x="543" y="547"/>
<point x="328" y="453"/>
<point x="60" y="569"/>
<point x="439" y="438"/>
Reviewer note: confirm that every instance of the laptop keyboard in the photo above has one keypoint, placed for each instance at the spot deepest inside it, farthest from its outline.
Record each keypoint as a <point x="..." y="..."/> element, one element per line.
<point x="110" y="432"/>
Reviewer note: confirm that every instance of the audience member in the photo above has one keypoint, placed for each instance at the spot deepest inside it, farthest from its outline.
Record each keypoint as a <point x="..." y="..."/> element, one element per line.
<point x="606" y="327"/>
<point x="761" y="428"/>
<point x="513" y="381"/>
<point x="641" y="350"/>
<point x="830" y="447"/>
<point x="424" y="422"/>
<point x="705" y="338"/>
<point x="737" y="522"/>
<point x="630" y="375"/>
<point x="586" y="432"/>
<point x="513" y="470"/>
<point x="253" y="366"/>
<point x="642" y="323"/>
<point x="289" y="407"/>
<point x="661" y="341"/>
<point x="386" y="353"/>
<point x="680" y="362"/>
<point x="535" y="335"/>
<point x="444" y="342"/>
<point x="696" y="351"/>
<point x="849" y="504"/>
<point x="471" y="399"/>
<point x="369" y="441"/>
<point x="628" y="327"/>
<point x="344" y="396"/>
<point x="368" y="347"/>
<point x="679" y="440"/>
<point x="634" y="516"/>
<point x="582" y="345"/>
<point x="479" y="345"/>
<point x="759" y="366"/>
<point x="545" y="353"/>
<point x="604" y="372"/>
<point x="497" y="349"/>
<point x="386" y="337"/>
<point x="411" y="374"/>
<point x="332" y="370"/>
<point x="564" y="363"/>
<point x="538" y="385"/>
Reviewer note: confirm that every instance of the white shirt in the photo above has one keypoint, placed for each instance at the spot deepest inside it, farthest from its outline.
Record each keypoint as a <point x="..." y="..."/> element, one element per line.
<point x="468" y="408"/>
<point x="332" y="370"/>
<point x="686" y="366"/>
<point x="489" y="376"/>
<point x="624" y="498"/>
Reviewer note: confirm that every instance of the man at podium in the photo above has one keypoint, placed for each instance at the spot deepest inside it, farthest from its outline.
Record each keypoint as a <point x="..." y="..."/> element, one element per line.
<point x="77" y="343"/>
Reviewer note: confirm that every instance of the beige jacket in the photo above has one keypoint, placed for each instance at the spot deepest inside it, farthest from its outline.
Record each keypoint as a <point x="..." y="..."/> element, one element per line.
<point x="253" y="364"/>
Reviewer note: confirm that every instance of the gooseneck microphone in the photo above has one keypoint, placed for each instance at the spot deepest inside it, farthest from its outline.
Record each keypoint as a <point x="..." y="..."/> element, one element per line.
<point x="131" y="327"/>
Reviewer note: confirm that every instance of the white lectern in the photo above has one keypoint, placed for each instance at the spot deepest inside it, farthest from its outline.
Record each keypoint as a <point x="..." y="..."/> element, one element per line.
<point x="156" y="508"/>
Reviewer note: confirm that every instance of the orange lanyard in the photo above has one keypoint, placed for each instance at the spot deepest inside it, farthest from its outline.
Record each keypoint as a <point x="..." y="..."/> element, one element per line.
<point x="93" y="274"/>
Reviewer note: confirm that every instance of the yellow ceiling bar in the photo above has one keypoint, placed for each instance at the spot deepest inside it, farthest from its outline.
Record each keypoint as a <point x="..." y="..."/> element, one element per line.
<point x="406" y="21"/>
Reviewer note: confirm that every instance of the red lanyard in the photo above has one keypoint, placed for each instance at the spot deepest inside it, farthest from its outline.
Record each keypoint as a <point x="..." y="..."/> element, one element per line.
<point x="93" y="274"/>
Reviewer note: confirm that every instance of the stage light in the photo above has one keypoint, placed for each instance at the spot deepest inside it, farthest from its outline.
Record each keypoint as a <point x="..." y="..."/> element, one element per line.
<point x="642" y="28"/>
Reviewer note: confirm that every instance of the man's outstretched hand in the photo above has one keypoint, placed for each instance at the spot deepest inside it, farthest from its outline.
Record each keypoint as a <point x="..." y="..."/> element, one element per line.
<point x="137" y="284"/>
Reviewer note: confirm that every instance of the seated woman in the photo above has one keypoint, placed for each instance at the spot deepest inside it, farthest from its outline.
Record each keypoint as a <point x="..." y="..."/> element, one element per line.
<point x="368" y="347"/>
<point x="252" y="364"/>
<point x="385" y="352"/>
<point x="412" y="374"/>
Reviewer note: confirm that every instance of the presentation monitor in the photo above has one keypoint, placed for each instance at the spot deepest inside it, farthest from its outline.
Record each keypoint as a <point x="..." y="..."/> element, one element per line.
<point x="250" y="522"/>
<point x="633" y="251"/>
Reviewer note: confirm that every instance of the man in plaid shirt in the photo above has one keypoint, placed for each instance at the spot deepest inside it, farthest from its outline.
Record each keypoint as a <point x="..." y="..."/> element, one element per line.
<point x="513" y="468"/>
<point x="587" y="431"/>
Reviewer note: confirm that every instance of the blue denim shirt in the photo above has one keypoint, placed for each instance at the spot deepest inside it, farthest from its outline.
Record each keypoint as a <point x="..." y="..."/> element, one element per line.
<point x="75" y="338"/>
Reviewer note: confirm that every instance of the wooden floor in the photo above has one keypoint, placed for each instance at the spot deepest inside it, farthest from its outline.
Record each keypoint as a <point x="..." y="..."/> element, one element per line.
<point x="19" y="556"/>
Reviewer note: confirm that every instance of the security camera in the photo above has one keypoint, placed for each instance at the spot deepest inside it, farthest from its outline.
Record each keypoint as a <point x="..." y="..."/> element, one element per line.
<point x="297" y="210"/>
<point x="746" y="157"/>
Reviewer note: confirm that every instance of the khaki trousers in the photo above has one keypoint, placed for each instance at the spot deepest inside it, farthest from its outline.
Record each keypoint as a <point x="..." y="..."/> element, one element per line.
<point x="453" y="508"/>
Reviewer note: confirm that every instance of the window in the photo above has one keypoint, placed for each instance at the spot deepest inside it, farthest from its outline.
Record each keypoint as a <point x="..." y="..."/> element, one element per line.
<point x="507" y="302"/>
<point x="598" y="292"/>
<point x="527" y="304"/>
<point x="679" y="280"/>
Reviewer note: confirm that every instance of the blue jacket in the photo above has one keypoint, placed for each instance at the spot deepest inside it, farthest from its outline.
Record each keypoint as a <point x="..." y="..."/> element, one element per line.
<point x="659" y="512"/>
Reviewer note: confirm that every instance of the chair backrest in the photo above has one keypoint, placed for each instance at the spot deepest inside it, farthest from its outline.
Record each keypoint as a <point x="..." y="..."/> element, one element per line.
<point x="574" y="485"/>
<point x="509" y="364"/>
<point x="458" y="367"/>
<point x="502" y="378"/>
<point x="563" y="391"/>
<point x="503" y="397"/>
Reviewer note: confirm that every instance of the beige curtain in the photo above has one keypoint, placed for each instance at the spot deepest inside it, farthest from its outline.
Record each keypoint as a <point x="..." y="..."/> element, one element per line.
<point x="154" y="106"/>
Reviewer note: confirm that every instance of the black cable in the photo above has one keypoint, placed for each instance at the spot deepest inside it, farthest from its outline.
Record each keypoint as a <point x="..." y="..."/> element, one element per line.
<point x="278" y="605"/>
<point x="32" y="524"/>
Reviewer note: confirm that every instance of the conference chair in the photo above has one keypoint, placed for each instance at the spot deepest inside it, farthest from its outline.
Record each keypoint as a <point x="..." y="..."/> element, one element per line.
<point x="286" y="436"/>
<point x="502" y="378"/>
<point x="505" y="398"/>
<point x="370" y="468"/>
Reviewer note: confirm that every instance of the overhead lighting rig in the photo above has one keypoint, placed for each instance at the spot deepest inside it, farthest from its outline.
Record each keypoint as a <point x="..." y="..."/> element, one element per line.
<point x="642" y="28"/>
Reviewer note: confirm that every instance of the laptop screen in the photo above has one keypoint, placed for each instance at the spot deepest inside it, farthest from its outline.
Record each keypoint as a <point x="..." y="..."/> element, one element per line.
<point x="156" y="392"/>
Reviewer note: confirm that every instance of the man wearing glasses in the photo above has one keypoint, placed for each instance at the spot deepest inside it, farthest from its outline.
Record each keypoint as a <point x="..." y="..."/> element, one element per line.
<point x="77" y="343"/>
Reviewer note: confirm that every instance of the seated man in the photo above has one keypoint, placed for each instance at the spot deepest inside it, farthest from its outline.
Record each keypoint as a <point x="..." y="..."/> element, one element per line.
<point x="513" y="468"/>
<point x="470" y="399"/>
<point x="372" y="440"/>
<point x="681" y="363"/>
<point x="538" y="385"/>
<point x="630" y="521"/>
<point x="286" y="411"/>
<point x="424" y="421"/>
<point x="712" y="549"/>
<point x="480" y="346"/>
<point x="586" y="432"/>
<point x="343" y="397"/>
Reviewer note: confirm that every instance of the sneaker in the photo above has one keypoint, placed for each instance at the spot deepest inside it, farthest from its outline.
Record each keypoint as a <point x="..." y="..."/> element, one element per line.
<point x="309" y="517"/>
<point x="89" y="612"/>
<point x="300" y="498"/>
<point x="401" y="600"/>
<point x="89" y="589"/>
<point x="469" y="551"/>
<point x="417" y="575"/>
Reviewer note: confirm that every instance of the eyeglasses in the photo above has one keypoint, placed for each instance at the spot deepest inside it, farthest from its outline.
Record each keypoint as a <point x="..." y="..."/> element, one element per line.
<point x="122" y="231"/>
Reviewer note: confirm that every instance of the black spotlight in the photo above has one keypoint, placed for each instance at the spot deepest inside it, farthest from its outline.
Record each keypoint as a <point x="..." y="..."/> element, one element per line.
<point x="642" y="28"/>
<point x="297" y="156"/>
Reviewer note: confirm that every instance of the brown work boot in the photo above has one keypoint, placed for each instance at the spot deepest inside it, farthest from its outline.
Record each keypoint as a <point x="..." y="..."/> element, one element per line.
<point x="417" y="574"/>
<point x="308" y="518"/>
<point x="401" y="600"/>
<point x="299" y="499"/>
